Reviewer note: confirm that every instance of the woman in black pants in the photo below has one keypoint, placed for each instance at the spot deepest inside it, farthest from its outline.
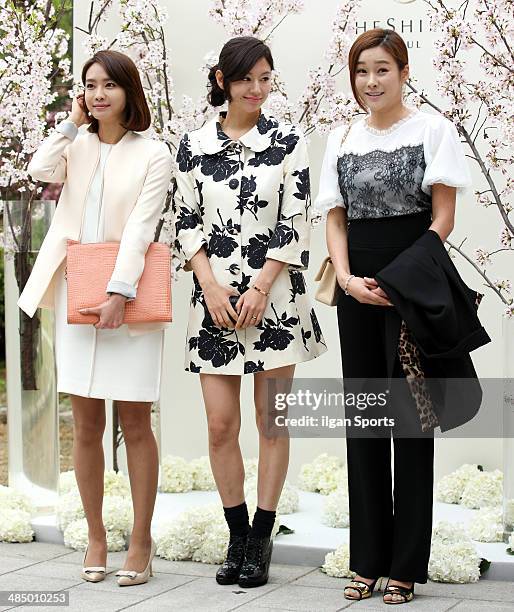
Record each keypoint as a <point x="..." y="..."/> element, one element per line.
<point x="386" y="181"/>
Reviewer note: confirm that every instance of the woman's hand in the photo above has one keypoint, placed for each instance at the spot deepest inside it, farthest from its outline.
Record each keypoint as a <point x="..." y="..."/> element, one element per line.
<point x="79" y="114"/>
<point x="250" y="306"/>
<point x="366" y="291"/>
<point x="219" y="306"/>
<point x="110" y="313"/>
<point x="372" y="284"/>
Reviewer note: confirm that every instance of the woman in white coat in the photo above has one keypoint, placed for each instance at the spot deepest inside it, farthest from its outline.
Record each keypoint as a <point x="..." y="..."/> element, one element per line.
<point x="115" y="185"/>
<point x="242" y="218"/>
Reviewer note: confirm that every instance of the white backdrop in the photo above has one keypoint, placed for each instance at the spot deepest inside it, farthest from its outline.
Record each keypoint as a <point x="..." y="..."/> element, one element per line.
<point x="298" y="45"/>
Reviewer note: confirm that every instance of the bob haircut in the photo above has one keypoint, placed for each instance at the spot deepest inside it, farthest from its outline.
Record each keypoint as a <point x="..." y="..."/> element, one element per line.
<point x="238" y="56"/>
<point x="122" y="70"/>
<point x="390" y="40"/>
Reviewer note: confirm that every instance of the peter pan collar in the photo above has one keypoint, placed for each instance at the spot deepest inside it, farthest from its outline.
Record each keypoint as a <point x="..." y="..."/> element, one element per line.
<point x="212" y="138"/>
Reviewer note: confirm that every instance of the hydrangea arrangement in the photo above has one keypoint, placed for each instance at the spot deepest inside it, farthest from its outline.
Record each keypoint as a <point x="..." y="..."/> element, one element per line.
<point x="336" y="512"/>
<point x="289" y="499"/>
<point x="117" y="512"/>
<point x="176" y="475"/>
<point x="115" y="483"/>
<point x="203" y="480"/>
<point x="451" y="487"/>
<point x="453" y="557"/>
<point x="323" y="475"/>
<point x="10" y="499"/>
<point x="15" y="525"/>
<point x="487" y="525"/>
<point x="337" y="563"/>
<point x="483" y="489"/>
<point x="68" y="509"/>
<point x="76" y="536"/>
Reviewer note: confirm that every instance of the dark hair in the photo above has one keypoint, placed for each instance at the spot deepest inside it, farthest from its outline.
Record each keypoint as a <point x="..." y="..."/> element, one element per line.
<point x="122" y="70"/>
<point x="238" y="56"/>
<point x="392" y="42"/>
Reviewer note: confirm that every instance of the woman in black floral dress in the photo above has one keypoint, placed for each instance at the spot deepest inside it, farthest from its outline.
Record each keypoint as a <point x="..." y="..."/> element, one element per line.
<point x="242" y="218"/>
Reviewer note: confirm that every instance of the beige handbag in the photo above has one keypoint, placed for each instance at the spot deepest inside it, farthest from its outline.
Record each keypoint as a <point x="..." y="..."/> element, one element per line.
<point x="328" y="287"/>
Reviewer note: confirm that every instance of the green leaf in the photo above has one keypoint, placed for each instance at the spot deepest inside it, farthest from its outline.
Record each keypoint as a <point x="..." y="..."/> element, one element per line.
<point x="510" y="551"/>
<point x="484" y="565"/>
<point x="284" y="530"/>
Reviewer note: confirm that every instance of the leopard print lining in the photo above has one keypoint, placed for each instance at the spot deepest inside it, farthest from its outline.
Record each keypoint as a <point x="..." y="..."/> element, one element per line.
<point x="410" y="360"/>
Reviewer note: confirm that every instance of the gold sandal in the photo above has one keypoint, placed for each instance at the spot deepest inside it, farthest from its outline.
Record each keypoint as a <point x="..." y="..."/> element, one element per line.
<point x="364" y="589"/>
<point x="395" y="589"/>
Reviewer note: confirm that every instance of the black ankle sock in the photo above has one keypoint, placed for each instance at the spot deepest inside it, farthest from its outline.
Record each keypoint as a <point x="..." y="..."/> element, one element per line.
<point x="237" y="519"/>
<point x="263" y="521"/>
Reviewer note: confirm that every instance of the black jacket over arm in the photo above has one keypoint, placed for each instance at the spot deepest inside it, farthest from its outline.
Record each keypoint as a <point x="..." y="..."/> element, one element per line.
<point x="440" y="311"/>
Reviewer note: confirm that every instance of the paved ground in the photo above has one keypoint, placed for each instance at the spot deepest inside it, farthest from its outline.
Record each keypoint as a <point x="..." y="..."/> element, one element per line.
<point x="191" y="587"/>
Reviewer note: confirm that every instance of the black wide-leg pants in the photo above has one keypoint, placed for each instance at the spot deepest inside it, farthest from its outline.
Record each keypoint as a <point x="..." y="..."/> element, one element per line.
<point x="390" y="510"/>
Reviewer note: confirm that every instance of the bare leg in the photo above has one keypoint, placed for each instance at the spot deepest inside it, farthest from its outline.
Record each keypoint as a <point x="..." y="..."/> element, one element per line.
<point x="143" y="467"/>
<point x="273" y="449"/>
<point x="221" y="399"/>
<point x="88" y="460"/>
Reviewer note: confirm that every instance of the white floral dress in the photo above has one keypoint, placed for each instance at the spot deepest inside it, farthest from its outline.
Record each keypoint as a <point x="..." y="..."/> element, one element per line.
<point x="245" y="201"/>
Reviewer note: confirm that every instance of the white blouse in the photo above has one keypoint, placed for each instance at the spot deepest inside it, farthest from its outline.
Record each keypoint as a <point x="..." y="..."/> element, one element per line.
<point x="382" y="173"/>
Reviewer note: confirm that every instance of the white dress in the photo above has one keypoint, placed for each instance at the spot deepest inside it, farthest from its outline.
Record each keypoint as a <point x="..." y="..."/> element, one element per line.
<point x="104" y="363"/>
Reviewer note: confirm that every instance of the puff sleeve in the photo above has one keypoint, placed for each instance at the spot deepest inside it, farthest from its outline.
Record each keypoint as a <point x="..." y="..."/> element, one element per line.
<point x="329" y="195"/>
<point x="444" y="157"/>
<point x="291" y="236"/>
<point x="187" y="213"/>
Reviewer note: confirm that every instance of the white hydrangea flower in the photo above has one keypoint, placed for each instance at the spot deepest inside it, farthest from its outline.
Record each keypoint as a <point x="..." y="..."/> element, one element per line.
<point x="487" y="525"/>
<point x="251" y="466"/>
<point x="213" y="547"/>
<point x="203" y="480"/>
<point x="183" y="535"/>
<point x="67" y="482"/>
<point x="449" y="533"/>
<point x="176" y="475"/>
<point x="10" y="499"/>
<point x="337" y="563"/>
<point x="117" y="513"/>
<point x="332" y="480"/>
<point x="483" y="489"/>
<point x="323" y="475"/>
<point x="287" y="504"/>
<point x="76" y="536"/>
<point x="68" y="509"/>
<point x="15" y="525"/>
<point x="456" y="562"/>
<point x="451" y="487"/>
<point x="116" y="484"/>
<point x="336" y="512"/>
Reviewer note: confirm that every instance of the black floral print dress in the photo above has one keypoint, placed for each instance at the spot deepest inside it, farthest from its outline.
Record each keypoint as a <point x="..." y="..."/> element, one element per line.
<point x="245" y="201"/>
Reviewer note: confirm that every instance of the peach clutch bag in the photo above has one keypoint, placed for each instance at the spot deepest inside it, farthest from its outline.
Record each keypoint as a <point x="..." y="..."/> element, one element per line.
<point x="89" y="268"/>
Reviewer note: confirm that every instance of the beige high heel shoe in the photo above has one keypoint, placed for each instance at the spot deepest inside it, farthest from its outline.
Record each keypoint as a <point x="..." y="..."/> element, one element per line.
<point x="92" y="574"/>
<point x="131" y="578"/>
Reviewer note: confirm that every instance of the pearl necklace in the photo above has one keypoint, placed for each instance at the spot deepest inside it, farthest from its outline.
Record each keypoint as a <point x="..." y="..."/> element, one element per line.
<point x="392" y="128"/>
